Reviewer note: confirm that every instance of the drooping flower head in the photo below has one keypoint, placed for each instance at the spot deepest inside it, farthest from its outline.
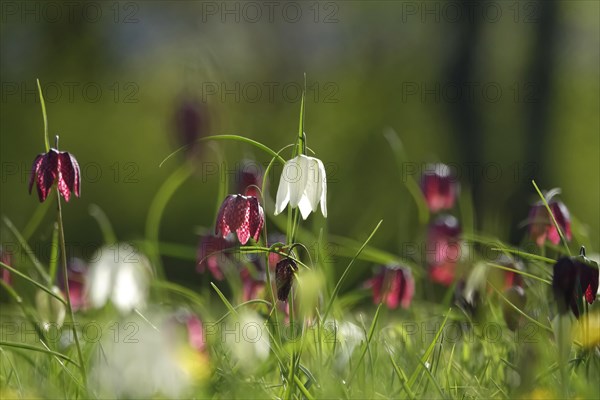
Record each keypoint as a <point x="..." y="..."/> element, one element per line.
<point x="443" y="249"/>
<point x="249" y="178"/>
<point x="541" y="226"/>
<point x="303" y="184"/>
<point x="504" y="278"/>
<point x="574" y="278"/>
<point x="76" y="270"/>
<point x="394" y="286"/>
<point x="55" y="166"/>
<point x="191" y="122"/>
<point x="241" y="214"/>
<point x="120" y="274"/>
<point x="284" y="277"/>
<point x="439" y="187"/>
<point x="253" y="283"/>
<point x="211" y="254"/>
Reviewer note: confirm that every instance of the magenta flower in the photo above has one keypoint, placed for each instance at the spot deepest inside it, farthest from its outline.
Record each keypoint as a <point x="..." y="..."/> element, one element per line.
<point x="211" y="254"/>
<point x="439" y="187"/>
<point x="76" y="270"/>
<point x="443" y="249"/>
<point x="195" y="333"/>
<point x="192" y="121"/>
<point x="242" y="214"/>
<point x="541" y="226"/>
<point x="252" y="285"/>
<point x="55" y="166"/>
<point x="394" y="286"/>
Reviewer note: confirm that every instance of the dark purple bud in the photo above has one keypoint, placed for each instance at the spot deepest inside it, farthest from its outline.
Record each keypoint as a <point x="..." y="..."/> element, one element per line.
<point x="574" y="279"/>
<point x="192" y="122"/>
<point x="284" y="277"/>
<point x="439" y="187"/>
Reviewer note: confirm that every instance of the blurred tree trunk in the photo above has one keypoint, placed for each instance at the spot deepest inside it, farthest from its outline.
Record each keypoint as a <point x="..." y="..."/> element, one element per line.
<point x="467" y="123"/>
<point x="537" y="123"/>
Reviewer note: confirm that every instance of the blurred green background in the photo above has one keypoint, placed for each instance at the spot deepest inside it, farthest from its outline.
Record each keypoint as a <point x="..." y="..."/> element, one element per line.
<point x="503" y="91"/>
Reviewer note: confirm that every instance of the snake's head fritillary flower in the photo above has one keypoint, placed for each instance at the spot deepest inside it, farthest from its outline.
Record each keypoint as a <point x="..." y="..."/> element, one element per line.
<point x="76" y="270"/>
<point x="252" y="284"/>
<point x="303" y="184"/>
<point x="55" y="166"/>
<point x="192" y="121"/>
<point x="211" y="254"/>
<point x="240" y="214"/>
<point x="574" y="278"/>
<point x="439" y="187"/>
<point x="284" y="277"/>
<point x="394" y="286"/>
<point x="444" y="249"/>
<point x="121" y="274"/>
<point x="541" y="226"/>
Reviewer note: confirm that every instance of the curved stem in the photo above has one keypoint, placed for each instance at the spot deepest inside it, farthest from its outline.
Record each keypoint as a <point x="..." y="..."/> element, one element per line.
<point x="228" y="137"/>
<point x="157" y="208"/>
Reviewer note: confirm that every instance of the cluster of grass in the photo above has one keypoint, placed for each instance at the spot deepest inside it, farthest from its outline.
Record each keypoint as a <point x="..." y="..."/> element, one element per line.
<point x="333" y="343"/>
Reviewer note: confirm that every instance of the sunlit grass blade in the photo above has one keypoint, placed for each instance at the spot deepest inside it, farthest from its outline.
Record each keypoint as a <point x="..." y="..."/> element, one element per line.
<point x="108" y="233"/>
<point x="54" y="254"/>
<point x="409" y="181"/>
<point x="44" y="115"/>
<point x="522" y="273"/>
<point x="181" y="291"/>
<point x="34" y="222"/>
<point x="244" y="304"/>
<point x="428" y="352"/>
<point x="402" y="378"/>
<point x="155" y="213"/>
<point x="347" y="246"/>
<point x="38" y="349"/>
<point x="224" y="299"/>
<point x="25" y="247"/>
<point x="367" y="344"/>
<point x="547" y="328"/>
<point x="33" y="282"/>
<point x="302" y="388"/>
<point x="338" y="285"/>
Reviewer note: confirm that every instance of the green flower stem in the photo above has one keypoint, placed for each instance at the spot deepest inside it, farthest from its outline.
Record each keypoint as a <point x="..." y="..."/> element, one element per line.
<point x="63" y="251"/>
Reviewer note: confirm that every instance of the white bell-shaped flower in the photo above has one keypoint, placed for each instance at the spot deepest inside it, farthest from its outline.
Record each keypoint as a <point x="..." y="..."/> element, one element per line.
<point x="118" y="273"/>
<point x="303" y="184"/>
